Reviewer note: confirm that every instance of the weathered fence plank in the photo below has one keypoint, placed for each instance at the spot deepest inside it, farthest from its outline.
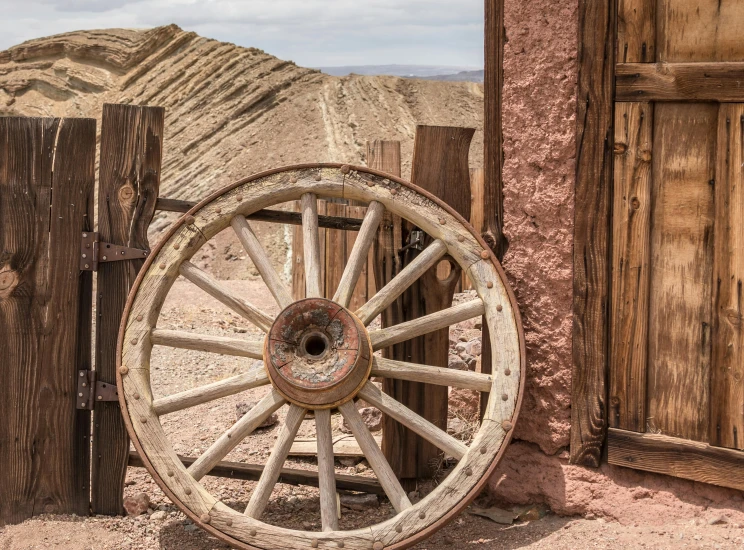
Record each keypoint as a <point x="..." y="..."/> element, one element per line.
<point x="131" y="151"/>
<point x="440" y="166"/>
<point x="46" y="191"/>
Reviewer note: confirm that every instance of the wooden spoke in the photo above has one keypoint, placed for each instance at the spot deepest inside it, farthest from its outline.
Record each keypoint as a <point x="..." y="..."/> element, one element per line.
<point x="374" y="456"/>
<point x="210" y="392"/>
<point x="413" y="421"/>
<point x="219" y="291"/>
<point x="261" y="261"/>
<point x="240" y="430"/>
<point x="413" y="372"/>
<point x="326" y="470"/>
<point x="262" y="492"/>
<point x="387" y="294"/>
<point x="206" y="342"/>
<point x="360" y="251"/>
<point x="311" y="246"/>
<point x="428" y="323"/>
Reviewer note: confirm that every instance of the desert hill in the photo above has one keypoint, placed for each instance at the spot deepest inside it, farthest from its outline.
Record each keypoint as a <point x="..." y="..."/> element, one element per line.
<point x="231" y="111"/>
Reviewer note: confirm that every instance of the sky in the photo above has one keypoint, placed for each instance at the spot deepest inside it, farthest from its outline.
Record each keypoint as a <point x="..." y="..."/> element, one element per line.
<point x="312" y="33"/>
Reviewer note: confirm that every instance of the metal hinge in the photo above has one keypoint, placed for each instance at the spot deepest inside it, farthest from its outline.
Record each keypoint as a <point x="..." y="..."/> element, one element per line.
<point x="93" y="252"/>
<point x="415" y="241"/>
<point x="90" y="391"/>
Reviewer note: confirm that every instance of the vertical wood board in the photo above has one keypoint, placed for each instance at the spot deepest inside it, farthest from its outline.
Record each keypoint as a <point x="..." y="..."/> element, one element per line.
<point x="592" y="229"/>
<point x="700" y="30"/>
<point x="681" y="269"/>
<point x="131" y="153"/>
<point x="46" y="189"/>
<point x="727" y="371"/>
<point x="631" y="233"/>
<point x="636" y="31"/>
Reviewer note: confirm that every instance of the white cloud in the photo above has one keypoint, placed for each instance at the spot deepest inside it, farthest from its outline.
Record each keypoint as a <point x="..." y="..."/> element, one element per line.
<point x="310" y="32"/>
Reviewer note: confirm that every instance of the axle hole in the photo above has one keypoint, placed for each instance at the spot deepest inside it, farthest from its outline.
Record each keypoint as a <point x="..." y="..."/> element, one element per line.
<point x="315" y="346"/>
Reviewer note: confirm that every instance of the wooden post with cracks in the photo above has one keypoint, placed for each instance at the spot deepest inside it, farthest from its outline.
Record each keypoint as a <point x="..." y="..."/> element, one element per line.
<point x="131" y="153"/>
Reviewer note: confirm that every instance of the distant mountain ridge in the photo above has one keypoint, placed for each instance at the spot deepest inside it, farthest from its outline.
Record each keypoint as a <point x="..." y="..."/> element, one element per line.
<point x="428" y="72"/>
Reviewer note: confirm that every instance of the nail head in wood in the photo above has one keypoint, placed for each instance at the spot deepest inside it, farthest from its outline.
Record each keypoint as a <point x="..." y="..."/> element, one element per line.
<point x="504" y="397"/>
<point x="345" y="169"/>
<point x="134" y="341"/>
<point x="507" y="425"/>
<point x="393" y="191"/>
<point x="136" y="396"/>
<point x="468" y="472"/>
<point x="205" y="518"/>
<point x="399" y="528"/>
<point x="140" y="317"/>
<point x="123" y="370"/>
<point x="189" y="220"/>
<point x="483" y="450"/>
<point x="370" y="183"/>
<point x="177" y="246"/>
<point x="187" y="491"/>
<point x="485" y="255"/>
<point x="292" y="179"/>
<point x="239" y="198"/>
<point x="252" y="532"/>
<point x="442" y="221"/>
<point x="170" y="473"/>
<point x="228" y="523"/>
<point x="422" y="515"/>
<point x="507" y="372"/>
<point x="143" y="420"/>
<point x="489" y="284"/>
<point x="218" y="210"/>
<point x="499" y="307"/>
<point x="162" y="266"/>
<point x="461" y="238"/>
<point x="318" y="177"/>
<point x="378" y="546"/>
<point x="314" y="544"/>
<point x="340" y="544"/>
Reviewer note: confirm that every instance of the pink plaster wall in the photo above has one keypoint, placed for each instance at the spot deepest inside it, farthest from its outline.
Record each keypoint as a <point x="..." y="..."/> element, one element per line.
<point x="539" y="113"/>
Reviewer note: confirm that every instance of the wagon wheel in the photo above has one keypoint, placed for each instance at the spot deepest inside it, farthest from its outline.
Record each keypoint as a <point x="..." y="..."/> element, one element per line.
<point x="318" y="355"/>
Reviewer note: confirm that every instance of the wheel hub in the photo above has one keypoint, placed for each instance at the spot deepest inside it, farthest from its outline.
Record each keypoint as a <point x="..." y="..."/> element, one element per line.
<point x="318" y="354"/>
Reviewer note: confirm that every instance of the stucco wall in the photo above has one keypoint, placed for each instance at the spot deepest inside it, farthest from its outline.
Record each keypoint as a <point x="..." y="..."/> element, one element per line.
<point x="539" y="113"/>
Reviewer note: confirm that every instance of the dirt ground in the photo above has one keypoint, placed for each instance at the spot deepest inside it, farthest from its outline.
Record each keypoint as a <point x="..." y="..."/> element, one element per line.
<point x="192" y="431"/>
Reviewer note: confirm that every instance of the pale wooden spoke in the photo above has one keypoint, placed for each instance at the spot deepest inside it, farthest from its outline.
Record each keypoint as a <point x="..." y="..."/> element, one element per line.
<point x="206" y="342"/>
<point x="311" y="245"/>
<point x="428" y="323"/>
<point x="437" y="437"/>
<point x="374" y="456"/>
<point x="387" y="294"/>
<point x="239" y="431"/>
<point x="219" y="291"/>
<point x="413" y="372"/>
<point x="210" y="392"/>
<point x="326" y="470"/>
<point x="261" y="261"/>
<point x="262" y="492"/>
<point x="359" y="253"/>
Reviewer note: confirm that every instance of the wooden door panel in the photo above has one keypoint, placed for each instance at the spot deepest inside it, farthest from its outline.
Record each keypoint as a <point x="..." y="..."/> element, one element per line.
<point x="699" y="30"/>
<point x="681" y="269"/>
<point x="631" y="230"/>
<point x="727" y="387"/>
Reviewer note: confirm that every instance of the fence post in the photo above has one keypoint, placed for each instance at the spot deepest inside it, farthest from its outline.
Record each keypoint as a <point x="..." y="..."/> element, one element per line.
<point x="47" y="174"/>
<point x="131" y="153"/>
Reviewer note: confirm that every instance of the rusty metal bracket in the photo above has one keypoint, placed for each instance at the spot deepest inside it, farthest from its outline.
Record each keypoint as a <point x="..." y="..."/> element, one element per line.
<point x="90" y="391"/>
<point x="416" y="241"/>
<point x="93" y="252"/>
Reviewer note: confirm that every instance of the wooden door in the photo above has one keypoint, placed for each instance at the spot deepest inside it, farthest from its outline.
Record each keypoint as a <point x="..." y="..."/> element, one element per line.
<point x="676" y="384"/>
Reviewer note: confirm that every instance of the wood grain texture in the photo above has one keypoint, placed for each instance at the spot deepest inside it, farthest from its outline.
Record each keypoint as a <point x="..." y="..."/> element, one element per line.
<point x="288" y="476"/>
<point x="222" y="293"/>
<point x="440" y="166"/>
<point x="261" y="260"/>
<point x="402" y="332"/>
<point x="46" y="202"/>
<point x="326" y="470"/>
<point x="130" y="167"/>
<point x="385" y="475"/>
<point x="727" y="372"/>
<point x="722" y="82"/>
<point x="681" y="269"/>
<point x="311" y="246"/>
<point x="262" y="491"/>
<point x="359" y="254"/>
<point x="414" y="422"/>
<point x="592" y="208"/>
<point x="207" y="342"/>
<point x="631" y="250"/>
<point x="247" y="424"/>
<point x="401" y="370"/>
<point x="676" y="457"/>
<point x="210" y="392"/>
<point x="699" y="30"/>
<point x="636" y="31"/>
